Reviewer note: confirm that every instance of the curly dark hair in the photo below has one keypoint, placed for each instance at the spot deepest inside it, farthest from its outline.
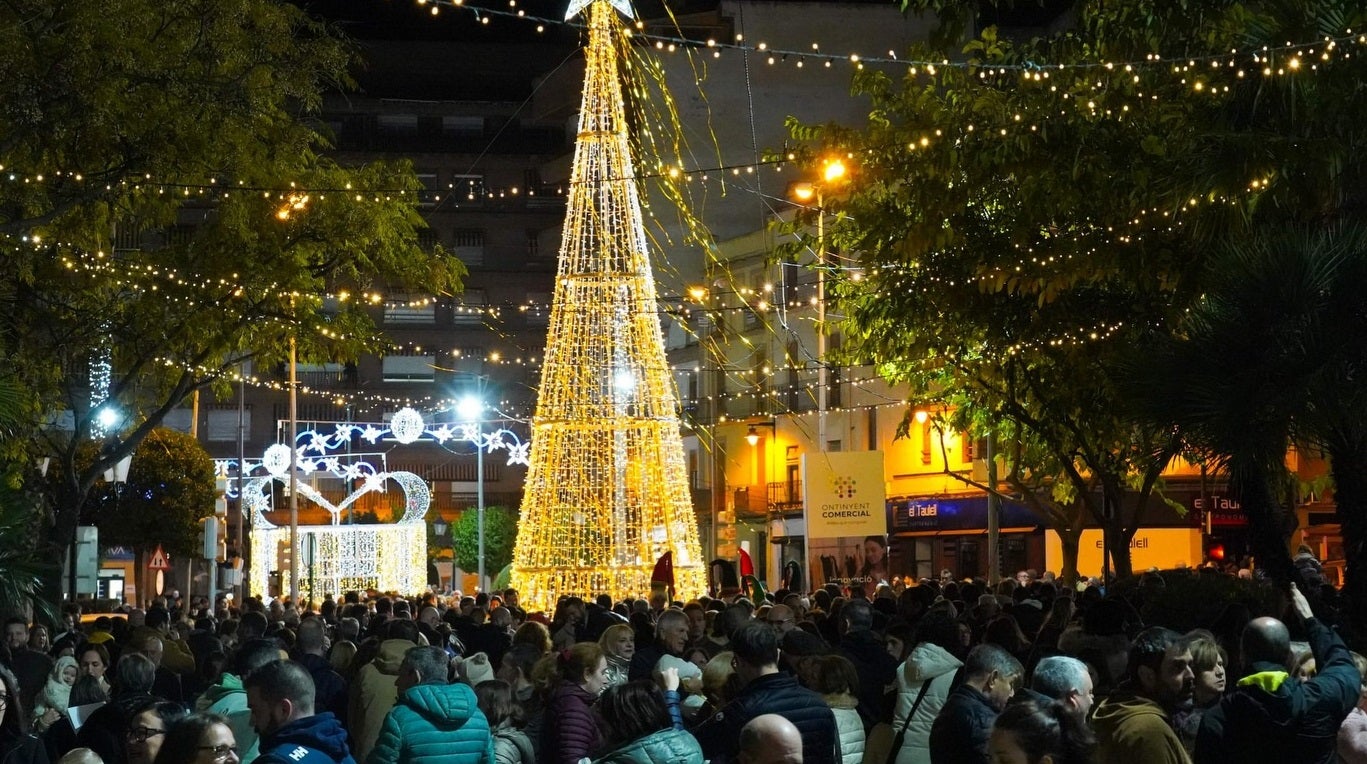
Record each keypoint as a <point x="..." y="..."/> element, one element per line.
<point x="631" y="711"/>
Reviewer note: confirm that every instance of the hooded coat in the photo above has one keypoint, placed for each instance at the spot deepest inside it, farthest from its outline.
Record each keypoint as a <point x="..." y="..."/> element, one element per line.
<point x="435" y="724"/>
<point x="928" y="662"/>
<point x="228" y="699"/>
<point x="373" y="693"/>
<point x="317" y="739"/>
<point x="55" y="695"/>
<point x="1132" y="729"/>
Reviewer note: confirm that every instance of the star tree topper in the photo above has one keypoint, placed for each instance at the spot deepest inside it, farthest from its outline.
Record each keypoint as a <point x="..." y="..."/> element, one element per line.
<point x="578" y="5"/>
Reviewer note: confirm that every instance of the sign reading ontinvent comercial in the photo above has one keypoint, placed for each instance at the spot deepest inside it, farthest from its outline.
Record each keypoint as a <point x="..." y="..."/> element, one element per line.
<point x="845" y="502"/>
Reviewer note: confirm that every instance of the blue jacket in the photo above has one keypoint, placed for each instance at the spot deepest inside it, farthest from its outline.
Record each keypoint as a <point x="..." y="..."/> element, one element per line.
<point x="960" y="732"/>
<point x="437" y="724"/>
<point x="668" y="746"/>
<point x="771" y="694"/>
<point x="317" y="739"/>
<point x="1272" y="717"/>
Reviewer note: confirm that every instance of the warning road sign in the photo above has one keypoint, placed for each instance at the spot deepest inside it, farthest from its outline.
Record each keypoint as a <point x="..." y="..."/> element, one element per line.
<point x="159" y="561"/>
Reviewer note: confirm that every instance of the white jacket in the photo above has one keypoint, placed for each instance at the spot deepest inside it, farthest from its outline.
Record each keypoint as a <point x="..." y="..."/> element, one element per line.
<point x="849" y="726"/>
<point x="927" y="663"/>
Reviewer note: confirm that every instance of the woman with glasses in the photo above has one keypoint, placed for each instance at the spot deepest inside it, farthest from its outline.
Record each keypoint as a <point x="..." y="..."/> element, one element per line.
<point x="17" y="746"/>
<point x="147" y="731"/>
<point x="199" y="739"/>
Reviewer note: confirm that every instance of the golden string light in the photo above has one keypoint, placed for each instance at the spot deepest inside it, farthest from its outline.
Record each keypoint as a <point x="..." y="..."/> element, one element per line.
<point x="606" y="493"/>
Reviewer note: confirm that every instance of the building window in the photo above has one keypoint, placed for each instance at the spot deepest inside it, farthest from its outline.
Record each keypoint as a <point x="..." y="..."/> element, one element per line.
<point x="414" y="310"/>
<point x="538" y="312"/>
<point x="222" y="425"/>
<point x="398" y="124"/>
<point x="427" y="197"/>
<point x="409" y="368"/>
<point x="533" y="244"/>
<point x="464" y="127"/>
<point x="467" y="244"/>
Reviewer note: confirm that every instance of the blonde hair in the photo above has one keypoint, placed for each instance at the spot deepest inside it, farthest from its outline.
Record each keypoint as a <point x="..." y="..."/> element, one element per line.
<point x="610" y="636"/>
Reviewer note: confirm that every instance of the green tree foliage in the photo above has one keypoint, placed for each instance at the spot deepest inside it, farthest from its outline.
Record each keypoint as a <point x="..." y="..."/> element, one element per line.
<point x="500" y="531"/>
<point x="170" y="488"/>
<point x="184" y="133"/>
<point x="1032" y="221"/>
<point x="22" y="563"/>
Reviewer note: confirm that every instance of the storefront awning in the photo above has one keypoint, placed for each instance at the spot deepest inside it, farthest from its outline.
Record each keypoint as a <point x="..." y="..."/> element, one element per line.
<point x="970" y="532"/>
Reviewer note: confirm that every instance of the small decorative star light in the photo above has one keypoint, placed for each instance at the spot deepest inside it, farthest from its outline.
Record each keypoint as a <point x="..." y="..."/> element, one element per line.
<point x="578" y="5"/>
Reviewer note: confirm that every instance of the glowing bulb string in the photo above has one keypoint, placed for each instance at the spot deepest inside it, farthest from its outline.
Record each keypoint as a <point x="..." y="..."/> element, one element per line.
<point x="671" y="43"/>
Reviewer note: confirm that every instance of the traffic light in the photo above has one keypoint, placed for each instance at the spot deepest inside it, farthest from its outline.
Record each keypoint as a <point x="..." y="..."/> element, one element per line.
<point x="209" y="538"/>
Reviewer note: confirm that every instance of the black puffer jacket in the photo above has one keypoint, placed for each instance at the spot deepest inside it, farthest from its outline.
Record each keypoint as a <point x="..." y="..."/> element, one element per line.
<point x="771" y="694"/>
<point x="16" y="748"/>
<point x="959" y="734"/>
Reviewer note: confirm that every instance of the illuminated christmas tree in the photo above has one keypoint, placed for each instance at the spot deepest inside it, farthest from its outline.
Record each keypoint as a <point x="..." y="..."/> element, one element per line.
<point x="607" y="490"/>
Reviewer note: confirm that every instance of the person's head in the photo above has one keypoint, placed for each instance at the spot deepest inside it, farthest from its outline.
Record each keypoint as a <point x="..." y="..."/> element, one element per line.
<point x="16" y="633"/>
<point x="755" y="647"/>
<point x="857" y="615"/>
<point x="150" y="645"/>
<point x="830" y="675"/>
<point x="1303" y="666"/>
<point x="1027" y="733"/>
<point x="495" y="698"/>
<point x="697" y="621"/>
<point x="1208" y="664"/>
<point x="501" y="617"/>
<point x="519" y="664"/>
<point x="769" y="739"/>
<point x="310" y="636"/>
<point x="1265" y="640"/>
<point x="1160" y="666"/>
<point x="199" y="739"/>
<point x="422" y="665"/>
<point x="38" y="638"/>
<point x="87" y="690"/>
<point x="875" y="549"/>
<point x="1065" y="680"/>
<point x="781" y="618"/>
<point x="534" y="634"/>
<point x="994" y="672"/>
<point x="671" y="631"/>
<point x="631" y="711"/>
<point x="429" y="616"/>
<point x="80" y="756"/>
<point x="134" y="674"/>
<point x="619" y="641"/>
<point x="146" y="733"/>
<point x="253" y="655"/>
<point x="278" y="693"/>
<point x="93" y="661"/>
<point x="510" y="597"/>
<point x="13" y="716"/>
<point x="583" y="664"/>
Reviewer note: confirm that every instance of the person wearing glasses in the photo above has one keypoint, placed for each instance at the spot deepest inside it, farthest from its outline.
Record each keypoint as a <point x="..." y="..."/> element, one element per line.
<point x="199" y="739"/>
<point x="17" y="745"/>
<point x="782" y="618"/>
<point x="147" y="731"/>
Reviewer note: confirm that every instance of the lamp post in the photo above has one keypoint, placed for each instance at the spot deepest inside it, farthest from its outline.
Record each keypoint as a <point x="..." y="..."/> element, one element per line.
<point x="809" y="192"/>
<point x="471" y="409"/>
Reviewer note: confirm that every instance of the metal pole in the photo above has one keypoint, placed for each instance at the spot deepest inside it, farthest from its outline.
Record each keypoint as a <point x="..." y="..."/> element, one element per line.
<point x="479" y="493"/>
<point x="994" y="506"/>
<point x="241" y="588"/>
<point x="821" y="392"/>
<point x="294" y="472"/>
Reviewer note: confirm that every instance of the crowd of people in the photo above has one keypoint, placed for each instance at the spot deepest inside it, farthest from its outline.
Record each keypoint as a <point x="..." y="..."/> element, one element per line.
<point x="1023" y="672"/>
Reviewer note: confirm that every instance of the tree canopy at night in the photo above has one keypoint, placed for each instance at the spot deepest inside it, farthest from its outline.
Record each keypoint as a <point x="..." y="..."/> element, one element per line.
<point x="168" y="214"/>
<point x="1032" y="219"/>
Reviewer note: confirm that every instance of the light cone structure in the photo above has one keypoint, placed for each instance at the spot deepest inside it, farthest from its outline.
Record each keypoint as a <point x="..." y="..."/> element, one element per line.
<point x="607" y="488"/>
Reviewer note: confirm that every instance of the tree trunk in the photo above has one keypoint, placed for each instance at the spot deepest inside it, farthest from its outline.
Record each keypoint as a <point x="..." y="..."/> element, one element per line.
<point x="1070" y="542"/>
<point x="1113" y="528"/>
<point x="1349" y="469"/>
<point x="1251" y="484"/>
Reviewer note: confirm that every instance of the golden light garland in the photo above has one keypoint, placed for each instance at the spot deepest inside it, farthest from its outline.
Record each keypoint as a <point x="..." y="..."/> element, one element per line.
<point x="607" y="490"/>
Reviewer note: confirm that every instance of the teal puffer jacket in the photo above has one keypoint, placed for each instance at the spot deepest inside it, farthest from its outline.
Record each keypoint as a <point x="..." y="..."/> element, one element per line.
<point x="434" y="724"/>
<point x="667" y="746"/>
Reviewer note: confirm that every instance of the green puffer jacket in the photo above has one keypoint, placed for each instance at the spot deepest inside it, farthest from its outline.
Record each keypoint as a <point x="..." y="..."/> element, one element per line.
<point x="664" y="747"/>
<point x="434" y="724"/>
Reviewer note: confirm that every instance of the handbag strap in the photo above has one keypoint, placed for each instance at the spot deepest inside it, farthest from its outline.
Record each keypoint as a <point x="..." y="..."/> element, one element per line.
<point x="902" y="733"/>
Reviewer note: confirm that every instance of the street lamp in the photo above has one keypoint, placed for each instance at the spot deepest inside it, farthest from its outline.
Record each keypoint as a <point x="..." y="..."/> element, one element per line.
<point x="471" y="409"/>
<point x="805" y="192"/>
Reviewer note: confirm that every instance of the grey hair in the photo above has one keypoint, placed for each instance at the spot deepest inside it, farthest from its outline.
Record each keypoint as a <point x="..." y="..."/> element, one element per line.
<point x="1058" y="675"/>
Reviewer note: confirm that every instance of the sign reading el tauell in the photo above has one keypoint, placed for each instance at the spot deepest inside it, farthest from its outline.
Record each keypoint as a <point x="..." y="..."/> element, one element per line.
<point x="844" y="494"/>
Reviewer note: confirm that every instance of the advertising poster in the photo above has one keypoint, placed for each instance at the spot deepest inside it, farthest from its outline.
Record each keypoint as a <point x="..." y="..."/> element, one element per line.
<point x="845" y="504"/>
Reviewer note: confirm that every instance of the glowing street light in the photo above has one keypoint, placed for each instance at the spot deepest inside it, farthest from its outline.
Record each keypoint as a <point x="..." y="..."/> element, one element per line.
<point x="471" y="409"/>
